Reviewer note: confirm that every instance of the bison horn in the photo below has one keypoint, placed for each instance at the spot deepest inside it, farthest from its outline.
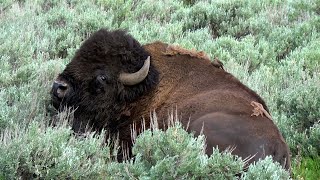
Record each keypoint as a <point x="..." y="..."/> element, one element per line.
<point x="131" y="79"/>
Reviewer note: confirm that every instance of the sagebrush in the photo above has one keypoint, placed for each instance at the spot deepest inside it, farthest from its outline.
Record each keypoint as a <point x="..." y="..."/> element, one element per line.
<point x="271" y="46"/>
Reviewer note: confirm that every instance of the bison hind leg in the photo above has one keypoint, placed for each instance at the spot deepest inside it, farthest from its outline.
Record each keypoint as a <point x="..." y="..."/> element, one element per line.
<point x="256" y="139"/>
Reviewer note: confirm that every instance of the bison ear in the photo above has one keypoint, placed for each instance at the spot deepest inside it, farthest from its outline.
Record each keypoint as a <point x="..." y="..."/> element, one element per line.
<point x="131" y="79"/>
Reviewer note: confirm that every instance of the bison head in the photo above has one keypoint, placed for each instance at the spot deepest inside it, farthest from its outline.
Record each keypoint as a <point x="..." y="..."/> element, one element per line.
<point x="109" y="71"/>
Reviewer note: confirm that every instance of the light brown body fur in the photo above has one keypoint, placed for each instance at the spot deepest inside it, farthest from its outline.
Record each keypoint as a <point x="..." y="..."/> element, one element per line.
<point x="214" y="101"/>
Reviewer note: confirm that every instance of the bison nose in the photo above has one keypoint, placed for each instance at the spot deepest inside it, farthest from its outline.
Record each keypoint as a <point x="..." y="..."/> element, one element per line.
<point x="59" y="89"/>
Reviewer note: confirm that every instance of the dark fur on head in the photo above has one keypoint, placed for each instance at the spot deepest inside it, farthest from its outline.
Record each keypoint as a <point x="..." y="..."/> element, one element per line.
<point x="106" y="53"/>
<point x="109" y="46"/>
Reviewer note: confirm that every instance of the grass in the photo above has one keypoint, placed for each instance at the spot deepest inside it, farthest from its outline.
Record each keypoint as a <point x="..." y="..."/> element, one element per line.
<point x="307" y="168"/>
<point x="272" y="46"/>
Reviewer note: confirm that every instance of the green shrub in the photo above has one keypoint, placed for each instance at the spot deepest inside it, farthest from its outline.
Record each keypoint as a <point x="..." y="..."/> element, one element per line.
<point x="51" y="153"/>
<point x="265" y="169"/>
<point x="159" y="151"/>
<point x="54" y="153"/>
<point x="308" y="168"/>
<point x="272" y="46"/>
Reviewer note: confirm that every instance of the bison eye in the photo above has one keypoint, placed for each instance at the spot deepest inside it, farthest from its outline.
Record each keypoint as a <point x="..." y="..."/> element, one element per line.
<point x="102" y="79"/>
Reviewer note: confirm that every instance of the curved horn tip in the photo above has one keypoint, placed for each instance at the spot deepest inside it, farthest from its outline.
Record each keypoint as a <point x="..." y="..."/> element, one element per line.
<point x="131" y="79"/>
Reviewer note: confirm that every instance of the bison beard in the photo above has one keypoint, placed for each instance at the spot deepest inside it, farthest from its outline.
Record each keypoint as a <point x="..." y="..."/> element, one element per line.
<point x="112" y="84"/>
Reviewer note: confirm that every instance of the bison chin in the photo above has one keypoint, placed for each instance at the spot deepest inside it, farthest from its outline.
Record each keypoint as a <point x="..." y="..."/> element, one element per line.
<point x="80" y="129"/>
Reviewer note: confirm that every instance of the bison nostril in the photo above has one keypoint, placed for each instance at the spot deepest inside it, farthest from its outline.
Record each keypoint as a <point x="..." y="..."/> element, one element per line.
<point x="59" y="89"/>
<point x="63" y="87"/>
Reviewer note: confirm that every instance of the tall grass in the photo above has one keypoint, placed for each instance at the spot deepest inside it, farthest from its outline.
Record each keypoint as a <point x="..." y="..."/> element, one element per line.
<point x="272" y="46"/>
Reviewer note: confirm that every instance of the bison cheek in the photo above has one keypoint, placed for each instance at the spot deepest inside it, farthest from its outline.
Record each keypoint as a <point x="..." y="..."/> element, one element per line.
<point x="80" y="126"/>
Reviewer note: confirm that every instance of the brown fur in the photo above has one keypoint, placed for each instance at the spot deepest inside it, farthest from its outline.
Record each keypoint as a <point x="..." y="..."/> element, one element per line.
<point x="214" y="100"/>
<point x="175" y="50"/>
<point x="259" y="110"/>
<point x="206" y="97"/>
<point x="217" y="63"/>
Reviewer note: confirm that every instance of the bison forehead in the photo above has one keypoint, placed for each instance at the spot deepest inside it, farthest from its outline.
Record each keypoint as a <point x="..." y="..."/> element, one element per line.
<point x="83" y="72"/>
<point x="112" y="51"/>
<point x="105" y="42"/>
<point x="103" y="45"/>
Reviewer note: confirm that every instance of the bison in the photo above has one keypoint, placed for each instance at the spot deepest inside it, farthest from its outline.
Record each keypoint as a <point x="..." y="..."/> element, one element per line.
<point x="114" y="82"/>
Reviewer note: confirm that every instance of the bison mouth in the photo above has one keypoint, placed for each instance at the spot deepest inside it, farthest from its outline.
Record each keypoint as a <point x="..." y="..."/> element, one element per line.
<point x="61" y="103"/>
<point x="56" y="101"/>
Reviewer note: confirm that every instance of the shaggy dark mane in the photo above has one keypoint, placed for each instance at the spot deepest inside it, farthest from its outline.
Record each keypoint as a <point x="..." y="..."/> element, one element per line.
<point x="121" y="52"/>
